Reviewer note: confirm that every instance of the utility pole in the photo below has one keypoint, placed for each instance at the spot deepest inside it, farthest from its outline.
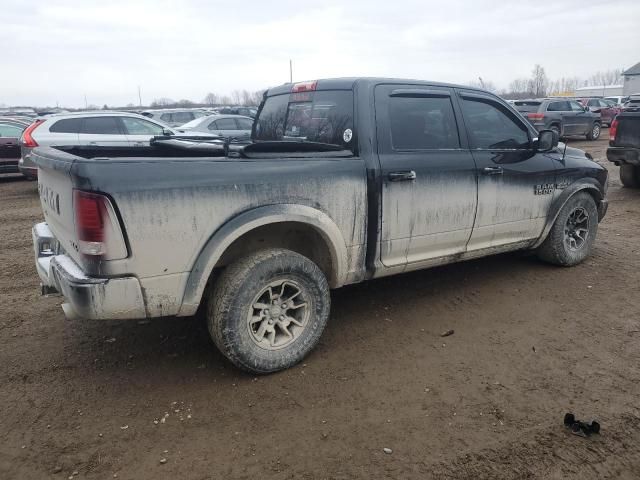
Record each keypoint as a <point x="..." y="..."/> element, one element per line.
<point x="86" y="105"/>
<point x="139" y="96"/>
<point x="290" y="71"/>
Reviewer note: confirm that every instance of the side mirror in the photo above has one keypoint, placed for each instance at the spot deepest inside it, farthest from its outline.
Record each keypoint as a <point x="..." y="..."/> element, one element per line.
<point x="166" y="132"/>
<point x="547" y="140"/>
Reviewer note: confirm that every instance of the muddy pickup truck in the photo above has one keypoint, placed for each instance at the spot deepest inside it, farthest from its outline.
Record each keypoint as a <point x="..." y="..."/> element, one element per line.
<point x="624" y="147"/>
<point x="344" y="180"/>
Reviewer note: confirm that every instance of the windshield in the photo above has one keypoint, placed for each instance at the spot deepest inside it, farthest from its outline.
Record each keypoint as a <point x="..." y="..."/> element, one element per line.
<point x="323" y="116"/>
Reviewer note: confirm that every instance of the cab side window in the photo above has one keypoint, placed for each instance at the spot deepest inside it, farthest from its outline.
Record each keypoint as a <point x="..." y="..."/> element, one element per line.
<point x="422" y="123"/>
<point x="492" y="127"/>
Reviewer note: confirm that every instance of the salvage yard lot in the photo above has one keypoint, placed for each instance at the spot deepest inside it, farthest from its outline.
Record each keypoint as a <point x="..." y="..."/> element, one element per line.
<point x="531" y="342"/>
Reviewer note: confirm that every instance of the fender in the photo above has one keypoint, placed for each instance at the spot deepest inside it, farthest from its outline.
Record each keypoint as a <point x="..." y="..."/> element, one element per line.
<point x="584" y="184"/>
<point x="249" y="220"/>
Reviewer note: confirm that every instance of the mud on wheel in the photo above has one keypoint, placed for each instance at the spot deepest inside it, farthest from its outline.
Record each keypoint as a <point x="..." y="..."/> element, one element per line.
<point x="571" y="238"/>
<point x="268" y="310"/>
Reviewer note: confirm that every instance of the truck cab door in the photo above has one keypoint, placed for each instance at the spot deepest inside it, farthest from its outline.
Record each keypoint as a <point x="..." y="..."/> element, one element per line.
<point x="428" y="198"/>
<point x="515" y="184"/>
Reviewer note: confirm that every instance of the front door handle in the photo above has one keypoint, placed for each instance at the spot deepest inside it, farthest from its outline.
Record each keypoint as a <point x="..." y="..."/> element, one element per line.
<point x="492" y="170"/>
<point x="404" y="176"/>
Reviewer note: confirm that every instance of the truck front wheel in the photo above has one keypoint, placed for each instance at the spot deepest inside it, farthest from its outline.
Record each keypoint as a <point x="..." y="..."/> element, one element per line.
<point x="630" y="175"/>
<point x="571" y="238"/>
<point x="267" y="311"/>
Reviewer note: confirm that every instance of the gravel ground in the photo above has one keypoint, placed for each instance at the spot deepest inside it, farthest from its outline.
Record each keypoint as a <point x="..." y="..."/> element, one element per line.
<point x="150" y="400"/>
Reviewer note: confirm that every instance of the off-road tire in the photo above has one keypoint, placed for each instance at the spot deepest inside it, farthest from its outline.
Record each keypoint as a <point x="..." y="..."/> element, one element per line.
<point x="555" y="248"/>
<point x="630" y="176"/>
<point x="232" y="299"/>
<point x="594" y="133"/>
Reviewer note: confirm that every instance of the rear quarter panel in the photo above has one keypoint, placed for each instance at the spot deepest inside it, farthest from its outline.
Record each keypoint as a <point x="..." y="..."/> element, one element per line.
<point x="170" y="208"/>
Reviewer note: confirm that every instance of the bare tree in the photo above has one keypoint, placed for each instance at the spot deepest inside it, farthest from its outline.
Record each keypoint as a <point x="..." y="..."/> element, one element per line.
<point x="225" y="100"/>
<point x="539" y="81"/>
<point x="162" y="102"/>
<point x="256" y="97"/>
<point x="184" y="103"/>
<point x="211" y="99"/>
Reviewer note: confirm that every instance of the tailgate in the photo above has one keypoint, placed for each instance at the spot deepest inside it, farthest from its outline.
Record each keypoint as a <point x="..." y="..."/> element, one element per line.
<point x="56" y="197"/>
<point x="628" y="134"/>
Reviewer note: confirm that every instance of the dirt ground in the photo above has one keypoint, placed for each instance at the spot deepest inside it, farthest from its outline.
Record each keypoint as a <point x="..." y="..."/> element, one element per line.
<point x="113" y="399"/>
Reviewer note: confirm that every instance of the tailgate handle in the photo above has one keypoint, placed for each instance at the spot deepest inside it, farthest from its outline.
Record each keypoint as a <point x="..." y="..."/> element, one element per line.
<point x="492" y="170"/>
<point x="402" y="176"/>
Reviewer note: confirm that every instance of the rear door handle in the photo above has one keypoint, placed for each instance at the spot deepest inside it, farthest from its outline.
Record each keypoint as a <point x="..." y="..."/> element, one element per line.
<point x="492" y="170"/>
<point x="404" y="176"/>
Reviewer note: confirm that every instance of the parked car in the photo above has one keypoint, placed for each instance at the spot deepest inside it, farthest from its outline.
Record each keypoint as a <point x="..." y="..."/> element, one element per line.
<point x="632" y="104"/>
<point x="618" y="100"/>
<point x="111" y="129"/>
<point x="10" y="132"/>
<point x="174" y="117"/>
<point x="565" y="117"/>
<point x="225" y="125"/>
<point x="344" y="180"/>
<point x="607" y="110"/>
<point x="245" y="111"/>
<point x="624" y="147"/>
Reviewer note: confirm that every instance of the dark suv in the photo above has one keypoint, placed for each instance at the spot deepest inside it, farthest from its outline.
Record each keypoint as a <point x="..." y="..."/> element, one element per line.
<point x="563" y="116"/>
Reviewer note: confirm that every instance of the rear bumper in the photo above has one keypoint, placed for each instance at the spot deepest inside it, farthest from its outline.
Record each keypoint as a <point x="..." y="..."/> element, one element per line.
<point x="86" y="297"/>
<point x="624" y="155"/>
<point x="8" y="166"/>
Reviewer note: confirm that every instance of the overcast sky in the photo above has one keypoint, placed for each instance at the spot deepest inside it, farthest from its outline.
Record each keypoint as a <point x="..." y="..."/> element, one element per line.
<point x="58" y="51"/>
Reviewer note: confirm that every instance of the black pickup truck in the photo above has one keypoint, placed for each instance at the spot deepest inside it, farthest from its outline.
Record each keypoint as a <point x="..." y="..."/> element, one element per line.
<point x="344" y="180"/>
<point x="624" y="147"/>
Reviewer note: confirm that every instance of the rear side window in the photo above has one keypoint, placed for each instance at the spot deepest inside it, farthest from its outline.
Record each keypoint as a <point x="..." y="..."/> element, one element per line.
<point x="224" y="124"/>
<point x="558" y="107"/>
<point x="320" y="116"/>
<point x="101" y="126"/>
<point x="182" y="117"/>
<point x="422" y="123"/>
<point x="490" y="126"/>
<point x="68" y="125"/>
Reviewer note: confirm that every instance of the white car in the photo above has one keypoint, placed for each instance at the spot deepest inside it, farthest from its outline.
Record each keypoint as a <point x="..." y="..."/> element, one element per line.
<point x="114" y="129"/>
<point x="174" y="117"/>
<point x="236" y="126"/>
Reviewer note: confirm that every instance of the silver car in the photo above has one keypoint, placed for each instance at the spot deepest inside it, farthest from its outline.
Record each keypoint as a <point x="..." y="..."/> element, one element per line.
<point x="115" y="129"/>
<point x="236" y="126"/>
<point x="174" y="117"/>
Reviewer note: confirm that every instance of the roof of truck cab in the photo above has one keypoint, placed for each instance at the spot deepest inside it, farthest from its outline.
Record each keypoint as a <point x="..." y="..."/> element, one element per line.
<point x="347" y="83"/>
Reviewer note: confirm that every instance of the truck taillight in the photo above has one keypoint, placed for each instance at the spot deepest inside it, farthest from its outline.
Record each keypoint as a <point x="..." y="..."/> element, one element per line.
<point x="27" y="140"/>
<point x="91" y="214"/>
<point x="613" y="129"/>
<point x="535" y="116"/>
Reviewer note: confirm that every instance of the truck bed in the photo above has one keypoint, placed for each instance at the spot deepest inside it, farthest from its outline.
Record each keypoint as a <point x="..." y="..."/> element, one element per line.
<point x="170" y="203"/>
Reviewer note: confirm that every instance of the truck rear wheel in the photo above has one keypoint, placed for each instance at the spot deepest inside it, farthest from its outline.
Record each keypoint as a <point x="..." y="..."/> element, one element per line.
<point x="572" y="236"/>
<point x="630" y="176"/>
<point x="268" y="310"/>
